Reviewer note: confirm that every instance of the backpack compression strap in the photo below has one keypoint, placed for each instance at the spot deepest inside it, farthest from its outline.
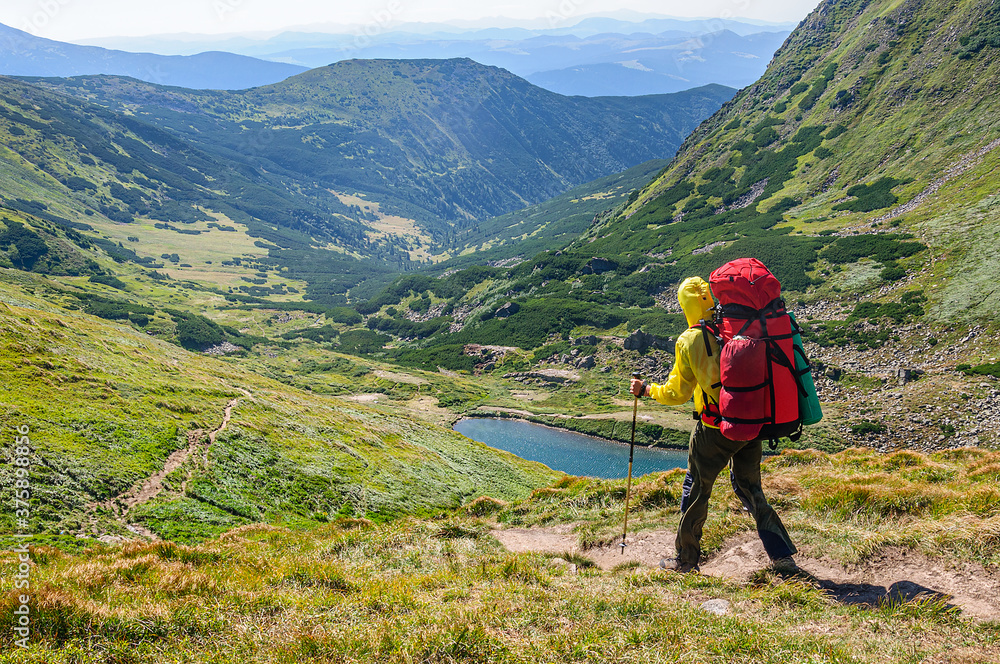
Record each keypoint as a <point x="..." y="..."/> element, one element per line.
<point x="774" y="309"/>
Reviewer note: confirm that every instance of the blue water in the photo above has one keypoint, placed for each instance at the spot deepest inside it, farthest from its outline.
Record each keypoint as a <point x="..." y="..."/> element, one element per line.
<point x="571" y="453"/>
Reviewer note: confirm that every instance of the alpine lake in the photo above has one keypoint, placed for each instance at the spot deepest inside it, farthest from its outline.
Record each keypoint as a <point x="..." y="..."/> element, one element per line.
<point x="569" y="452"/>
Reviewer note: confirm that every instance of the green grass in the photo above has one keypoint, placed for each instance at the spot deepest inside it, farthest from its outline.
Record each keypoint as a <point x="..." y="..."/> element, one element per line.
<point x="106" y="405"/>
<point x="443" y="589"/>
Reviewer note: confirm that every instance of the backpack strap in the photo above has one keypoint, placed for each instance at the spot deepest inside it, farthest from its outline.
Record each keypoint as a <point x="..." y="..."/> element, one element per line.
<point x="793" y="436"/>
<point x="779" y="358"/>
<point x="808" y="367"/>
<point x="707" y="328"/>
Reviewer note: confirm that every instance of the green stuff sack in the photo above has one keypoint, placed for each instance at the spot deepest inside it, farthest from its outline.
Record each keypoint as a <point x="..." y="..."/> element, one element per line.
<point x="809" y="408"/>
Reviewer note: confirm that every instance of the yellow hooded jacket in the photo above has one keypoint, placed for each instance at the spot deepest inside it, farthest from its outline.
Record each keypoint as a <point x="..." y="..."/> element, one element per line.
<point x="695" y="372"/>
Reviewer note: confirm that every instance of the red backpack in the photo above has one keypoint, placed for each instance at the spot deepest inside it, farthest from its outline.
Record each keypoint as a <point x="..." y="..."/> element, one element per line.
<point x="759" y="396"/>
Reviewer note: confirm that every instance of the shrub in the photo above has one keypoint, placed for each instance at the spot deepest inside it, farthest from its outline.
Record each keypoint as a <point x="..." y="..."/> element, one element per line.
<point x="989" y="369"/>
<point x="324" y="334"/>
<point x="765" y="137"/>
<point x="77" y="183"/>
<point x="198" y="332"/>
<point x="110" y="309"/>
<point x="343" y="315"/>
<point x="363" y="342"/>
<point x="108" y="280"/>
<point x="908" y="305"/>
<point x="987" y="33"/>
<point x="867" y="427"/>
<point x="420" y="305"/>
<point x="836" y="131"/>
<point x="870" y="197"/>
<point x="658" y="323"/>
<point x="884" y="248"/>
<point x="818" y="87"/>
<point x="29" y="244"/>
<point x="892" y="273"/>
<point x="449" y="356"/>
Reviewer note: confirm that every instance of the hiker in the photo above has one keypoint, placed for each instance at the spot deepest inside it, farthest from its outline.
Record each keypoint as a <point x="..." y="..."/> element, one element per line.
<point x="696" y="372"/>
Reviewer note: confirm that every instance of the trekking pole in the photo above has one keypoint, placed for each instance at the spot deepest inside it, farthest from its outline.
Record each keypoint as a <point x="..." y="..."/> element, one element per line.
<point x="631" y="453"/>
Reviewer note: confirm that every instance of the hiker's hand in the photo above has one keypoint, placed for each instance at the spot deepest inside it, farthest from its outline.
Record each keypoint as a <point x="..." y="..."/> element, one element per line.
<point x="638" y="388"/>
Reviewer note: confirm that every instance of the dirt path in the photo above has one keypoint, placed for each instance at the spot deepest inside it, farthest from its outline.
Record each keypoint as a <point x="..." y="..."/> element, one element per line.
<point x="152" y="486"/>
<point x="895" y="574"/>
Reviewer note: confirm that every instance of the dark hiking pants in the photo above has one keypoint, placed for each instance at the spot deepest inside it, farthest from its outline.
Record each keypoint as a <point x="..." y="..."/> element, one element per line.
<point x="709" y="453"/>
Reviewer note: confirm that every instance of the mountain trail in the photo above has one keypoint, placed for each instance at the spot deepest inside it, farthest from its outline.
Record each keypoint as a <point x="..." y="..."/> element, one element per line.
<point x="957" y="168"/>
<point x="893" y="575"/>
<point x="152" y="486"/>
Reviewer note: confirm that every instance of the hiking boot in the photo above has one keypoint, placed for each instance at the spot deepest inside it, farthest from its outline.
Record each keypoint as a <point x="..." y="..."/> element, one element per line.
<point x="674" y="565"/>
<point x="785" y="565"/>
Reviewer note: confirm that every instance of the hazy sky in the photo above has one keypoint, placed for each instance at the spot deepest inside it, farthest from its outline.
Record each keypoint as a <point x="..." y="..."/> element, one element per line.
<point x="81" y="19"/>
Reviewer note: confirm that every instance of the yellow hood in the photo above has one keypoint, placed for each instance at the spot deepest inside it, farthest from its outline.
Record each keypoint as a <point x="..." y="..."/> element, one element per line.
<point x="696" y="300"/>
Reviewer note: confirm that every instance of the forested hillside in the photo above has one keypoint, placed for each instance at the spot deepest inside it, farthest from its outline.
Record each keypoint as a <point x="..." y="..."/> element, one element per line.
<point x="442" y="142"/>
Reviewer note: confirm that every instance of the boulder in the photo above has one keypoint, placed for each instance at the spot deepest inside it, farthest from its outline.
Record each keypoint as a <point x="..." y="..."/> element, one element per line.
<point x="508" y="309"/>
<point x="719" y="607"/>
<point x="599" y="266"/>
<point x="643" y="341"/>
<point x="906" y="375"/>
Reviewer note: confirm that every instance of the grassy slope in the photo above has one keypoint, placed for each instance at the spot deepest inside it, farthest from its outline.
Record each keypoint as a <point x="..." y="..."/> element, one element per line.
<point x="444" y="591"/>
<point x="916" y="110"/>
<point x="439" y="589"/>
<point x="107" y="404"/>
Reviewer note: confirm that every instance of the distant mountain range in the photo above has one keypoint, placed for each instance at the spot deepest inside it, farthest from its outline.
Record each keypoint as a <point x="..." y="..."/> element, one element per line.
<point x="669" y="62"/>
<point x="338" y="36"/>
<point x="439" y="141"/>
<point x="23" y="54"/>
<point x="596" y="56"/>
<point x="604" y="64"/>
<point x="308" y="165"/>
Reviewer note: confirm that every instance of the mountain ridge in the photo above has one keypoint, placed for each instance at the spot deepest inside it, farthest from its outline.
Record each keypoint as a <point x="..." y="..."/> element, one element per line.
<point x="23" y="54"/>
<point x="440" y="120"/>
